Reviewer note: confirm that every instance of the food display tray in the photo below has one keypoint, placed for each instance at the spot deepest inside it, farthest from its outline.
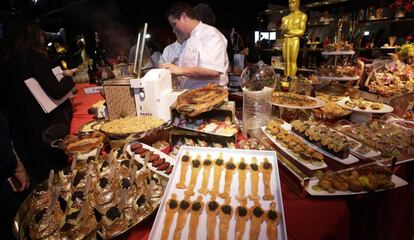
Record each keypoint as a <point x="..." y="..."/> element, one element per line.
<point x="319" y="103"/>
<point x="236" y="155"/>
<point x="399" y="182"/>
<point x="385" y="108"/>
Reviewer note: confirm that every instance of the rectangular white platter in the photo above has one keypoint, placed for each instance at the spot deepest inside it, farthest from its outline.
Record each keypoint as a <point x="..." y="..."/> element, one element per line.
<point x="227" y="154"/>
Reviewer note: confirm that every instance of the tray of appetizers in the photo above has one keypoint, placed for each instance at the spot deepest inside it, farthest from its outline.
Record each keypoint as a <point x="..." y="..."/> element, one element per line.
<point x="211" y="126"/>
<point x="222" y="194"/>
<point x="105" y="195"/>
<point x="158" y="161"/>
<point x="294" y="146"/>
<point x="362" y="105"/>
<point x="358" y="181"/>
<point x="323" y="139"/>
<point x="296" y="101"/>
<point x="385" y="137"/>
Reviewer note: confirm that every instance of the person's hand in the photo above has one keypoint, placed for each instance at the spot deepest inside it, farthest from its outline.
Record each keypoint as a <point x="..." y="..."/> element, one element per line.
<point x="174" y="69"/>
<point x="70" y="72"/>
<point x="21" y="175"/>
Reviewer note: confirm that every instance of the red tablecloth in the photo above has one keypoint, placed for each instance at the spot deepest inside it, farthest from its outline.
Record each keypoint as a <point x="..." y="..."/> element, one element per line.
<point x="306" y="218"/>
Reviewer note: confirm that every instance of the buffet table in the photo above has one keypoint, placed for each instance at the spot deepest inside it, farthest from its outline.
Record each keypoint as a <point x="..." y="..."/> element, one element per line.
<point x="306" y="217"/>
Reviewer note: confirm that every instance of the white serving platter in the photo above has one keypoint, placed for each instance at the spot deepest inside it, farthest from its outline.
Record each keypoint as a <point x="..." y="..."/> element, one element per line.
<point x="158" y="225"/>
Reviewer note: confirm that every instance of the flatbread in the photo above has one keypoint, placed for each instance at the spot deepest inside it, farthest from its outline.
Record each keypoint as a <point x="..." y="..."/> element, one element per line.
<point x="196" y="101"/>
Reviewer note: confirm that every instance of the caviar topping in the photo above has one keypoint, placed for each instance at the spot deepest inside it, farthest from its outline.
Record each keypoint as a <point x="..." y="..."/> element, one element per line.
<point x="78" y="195"/>
<point x="212" y="206"/>
<point x="125" y="183"/>
<point x="79" y="176"/>
<point x="196" y="206"/>
<point x="267" y="165"/>
<point x="103" y="182"/>
<point x="141" y="200"/>
<point x="226" y="209"/>
<point x="185" y="158"/>
<point x="242" y="211"/>
<point x="272" y="214"/>
<point x="257" y="211"/>
<point x="184" y="204"/>
<point x="230" y="166"/>
<point x="242" y="166"/>
<point x="196" y="163"/>
<point x="254" y="167"/>
<point x="173" y="204"/>
<point x="125" y="163"/>
<point x="219" y="162"/>
<point x="207" y="162"/>
<point x="113" y="213"/>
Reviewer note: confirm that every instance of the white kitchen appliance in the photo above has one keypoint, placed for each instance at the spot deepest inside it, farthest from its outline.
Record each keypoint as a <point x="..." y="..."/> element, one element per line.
<point x="154" y="94"/>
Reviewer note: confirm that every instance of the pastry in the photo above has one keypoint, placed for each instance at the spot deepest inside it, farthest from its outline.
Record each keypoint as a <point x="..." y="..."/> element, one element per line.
<point x="206" y="175"/>
<point x="218" y="166"/>
<point x="254" y="175"/>
<point x="241" y="173"/>
<point x="225" y="214"/>
<point x="185" y="161"/>
<point x="266" y="169"/>
<point x="183" y="210"/>
<point x="196" y="101"/>
<point x="113" y="222"/>
<point x="228" y="179"/>
<point x="272" y="221"/>
<point x="256" y="218"/>
<point x="242" y="216"/>
<point x="212" y="212"/>
<point x="195" y="169"/>
<point x="170" y="210"/>
<point x="196" y="208"/>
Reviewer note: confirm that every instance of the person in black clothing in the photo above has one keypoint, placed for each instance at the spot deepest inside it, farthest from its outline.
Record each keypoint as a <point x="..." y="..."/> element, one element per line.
<point x="11" y="166"/>
<point x="24" y="56"/>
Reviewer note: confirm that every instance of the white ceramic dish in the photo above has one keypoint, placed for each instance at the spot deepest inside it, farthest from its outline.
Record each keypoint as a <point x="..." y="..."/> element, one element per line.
<point x="385" y="108"/>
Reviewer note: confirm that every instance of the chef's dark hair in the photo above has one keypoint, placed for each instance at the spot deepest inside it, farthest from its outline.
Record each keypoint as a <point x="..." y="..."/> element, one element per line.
<point x="178" y="8"/>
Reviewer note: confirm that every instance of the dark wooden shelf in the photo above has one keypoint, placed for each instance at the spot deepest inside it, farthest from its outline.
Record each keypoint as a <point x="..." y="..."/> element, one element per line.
<point x="395" y="20"/>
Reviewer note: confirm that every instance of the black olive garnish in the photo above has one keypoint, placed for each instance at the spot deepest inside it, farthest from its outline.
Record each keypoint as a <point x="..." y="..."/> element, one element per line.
<point x="73" y="215"/>
<point x="125" y="183"/>
<point x="125" y="163"/>
<point x="173" y="204"/>
<point x="196" y="163"/>
<point x="242" y="166"/>
<point x="185" y="158"/>
<point x="148" y="180"/>
<point x="207" y="162"/>
<point x="267" y="165"/>
<point x="196" y="206"/>
<point x="272" y="214"/>
<point x="226" y="209"/>
<point x="113" y="213"/>
<point x="105" y="164"/>
<point x="79" y="176"/>
<point x="141" y="200"/>
<point x="230" y="166"/>
<point x="219" y="162"/>
<point x="254" y="167"/>
<point x="78" y="195"/>
<point x="184" y="204"/>
<point x="257" y="211"/>
<point x="242" y="211"/>
<point x="118" y="152"/>
<point x="213" y="205"/>
<point x="39" y="215"/>
<point x="67" y="227"/>
<point x="103" y="182"/>
<point x="139" y="165"/>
